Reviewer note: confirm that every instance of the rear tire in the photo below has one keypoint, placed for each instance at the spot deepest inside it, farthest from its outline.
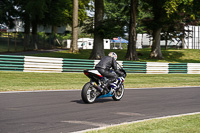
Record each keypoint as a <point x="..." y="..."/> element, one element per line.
<point x="88" y="93"/>
<point x="118" y="94"/>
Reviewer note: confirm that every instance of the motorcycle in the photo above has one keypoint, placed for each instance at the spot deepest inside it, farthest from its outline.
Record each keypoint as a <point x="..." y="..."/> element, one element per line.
<point x="93" y="90"/>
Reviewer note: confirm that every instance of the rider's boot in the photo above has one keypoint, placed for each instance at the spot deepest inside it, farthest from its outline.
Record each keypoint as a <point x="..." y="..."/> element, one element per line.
<point x="114" y="84"/>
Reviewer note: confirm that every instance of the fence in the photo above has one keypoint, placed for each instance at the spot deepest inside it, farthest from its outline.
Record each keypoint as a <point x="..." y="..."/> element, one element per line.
<point x="58" y="65"/>
<point x="12" y="42"/>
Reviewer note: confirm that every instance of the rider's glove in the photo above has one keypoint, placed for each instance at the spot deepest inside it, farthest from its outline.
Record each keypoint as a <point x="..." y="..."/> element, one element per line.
<point x="121" y="79"/>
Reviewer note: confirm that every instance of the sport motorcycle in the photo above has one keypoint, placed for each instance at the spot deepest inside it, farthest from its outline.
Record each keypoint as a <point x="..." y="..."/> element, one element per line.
<point x="98" y="87"/>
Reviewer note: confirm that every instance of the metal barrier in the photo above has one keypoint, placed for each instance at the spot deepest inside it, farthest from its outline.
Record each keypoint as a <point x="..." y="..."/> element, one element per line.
<point x="77" y="65"/>
<point x="157" y="68"/>
<point x="177" y="67"/>
<point x="193" y="68"/>
<point x="134" y="67"/>
<point x="11" y="63"/>
<point x="42" y="64"/>
<point x="47" y="64"/>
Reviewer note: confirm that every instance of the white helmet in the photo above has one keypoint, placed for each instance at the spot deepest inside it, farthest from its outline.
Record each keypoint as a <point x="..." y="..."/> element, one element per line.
<point x="113" y="54"/>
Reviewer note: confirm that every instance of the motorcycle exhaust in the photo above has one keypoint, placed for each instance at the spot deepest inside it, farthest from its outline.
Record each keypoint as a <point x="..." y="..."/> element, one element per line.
<point x="97" y="87"/>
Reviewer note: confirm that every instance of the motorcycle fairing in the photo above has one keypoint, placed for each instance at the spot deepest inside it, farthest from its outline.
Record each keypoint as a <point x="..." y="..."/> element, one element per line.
<point x="93" y="73"/>
<point x="106" y="95"/>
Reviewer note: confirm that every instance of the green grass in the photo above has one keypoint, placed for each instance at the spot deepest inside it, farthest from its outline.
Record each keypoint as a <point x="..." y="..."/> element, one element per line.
<point x="4" y="47"/>
<point x="184" y="124"/>
<point x="171" y="55"/>
<point x="22" y="81"/>
<point x="161" y="80"/>
<point x="83" y="54"/>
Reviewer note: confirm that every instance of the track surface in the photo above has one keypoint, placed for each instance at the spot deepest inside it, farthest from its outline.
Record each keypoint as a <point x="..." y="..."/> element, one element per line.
<point x="64" y="111"/>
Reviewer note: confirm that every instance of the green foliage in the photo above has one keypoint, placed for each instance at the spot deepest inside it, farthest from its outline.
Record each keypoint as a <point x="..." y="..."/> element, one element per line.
<point x="63" y="37"/>
<point x="83" y="5"/>
<point x="44" y="12"/>
<point x="7" y="13"/>
<point x="144" y="12"/>
<point x="85" y="35"/>
<point x="42" y="35"/>
<point x="116" y="19"/>
<point x="60" y="12"/>
<point x="172" y="5"/>
<point x="36" y="8"/>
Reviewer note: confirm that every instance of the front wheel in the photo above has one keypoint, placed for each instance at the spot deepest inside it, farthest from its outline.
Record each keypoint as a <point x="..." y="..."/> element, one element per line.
<point x="118" y="94"/>
<point x="89" y="93"/>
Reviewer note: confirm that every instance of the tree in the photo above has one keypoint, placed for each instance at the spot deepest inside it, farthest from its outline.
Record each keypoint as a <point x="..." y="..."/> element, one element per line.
<point x="24" y="16"/>
<point x="116" y="18"/>
<point x="98" y="48"/>
<point x="60" y="13"/>
<point x="131" y="51"/>
<point x="26" y="30"/>
<point x="74" y="47"/>
<point x="32" y="13"/>
<point x="36" y="9"/>
<point x="7" y="13"/>
<point x="167" y="13"/>
<point x="158" y="20"/>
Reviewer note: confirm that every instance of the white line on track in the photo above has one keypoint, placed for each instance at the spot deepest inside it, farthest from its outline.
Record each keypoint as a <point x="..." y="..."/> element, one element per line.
<point x="87" y="123"/>
<point x="104" y="127"/>
<point x="9" y="92"/>
<point x="162" y="88"/>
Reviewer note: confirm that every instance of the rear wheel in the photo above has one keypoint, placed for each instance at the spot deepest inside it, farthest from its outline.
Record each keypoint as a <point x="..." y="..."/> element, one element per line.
<point x="89" y="93"/>
<point x="118" y="94"/>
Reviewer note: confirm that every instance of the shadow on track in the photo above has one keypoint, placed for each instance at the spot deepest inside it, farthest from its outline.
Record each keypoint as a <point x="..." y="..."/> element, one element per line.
<point x="97" y="101"/>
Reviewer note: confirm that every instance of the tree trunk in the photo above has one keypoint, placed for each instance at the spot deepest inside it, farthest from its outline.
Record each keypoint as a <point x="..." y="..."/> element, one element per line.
<point x="26" y="32"/>
<point x="142" y="40"/>
<point x="74" y="46"/>
<point x="166" y="40"/>
<point x="98" y="48"/>
<point x="34" y="35"/>
<point x="166" y="45"/>
<point x="131" y="51"/>
<point x="156" y="49"/>
<point x="182" y="43"/>
<point x="183" y="40"/>
<point x="54" y="30"/>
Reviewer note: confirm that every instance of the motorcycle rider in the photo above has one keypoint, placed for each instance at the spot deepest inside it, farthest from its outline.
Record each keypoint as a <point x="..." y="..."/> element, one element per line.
<point x="104" y="66"/>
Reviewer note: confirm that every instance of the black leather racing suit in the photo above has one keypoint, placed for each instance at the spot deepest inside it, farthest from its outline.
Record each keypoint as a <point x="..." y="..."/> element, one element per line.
<point x="104" y="66"/>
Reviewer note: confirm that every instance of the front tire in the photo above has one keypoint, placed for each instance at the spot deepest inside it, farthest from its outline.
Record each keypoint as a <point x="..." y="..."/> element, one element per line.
<point x="118" y="94"/>
<point x="88" y="93"/>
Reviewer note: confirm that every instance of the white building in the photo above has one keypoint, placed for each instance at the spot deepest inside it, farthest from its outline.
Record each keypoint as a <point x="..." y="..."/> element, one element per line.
<point x="88" y="43"/>
<point x="192" y="41"/>
<point x="144" y="40"/>
<point x="19" y="27"/>
<point x="85" y="43"/>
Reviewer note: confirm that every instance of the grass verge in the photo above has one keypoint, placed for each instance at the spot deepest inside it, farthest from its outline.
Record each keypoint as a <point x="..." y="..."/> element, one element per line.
<point x="171" y="55"/>
<point x="22" y="81"/>
<point x="183" y="124"/>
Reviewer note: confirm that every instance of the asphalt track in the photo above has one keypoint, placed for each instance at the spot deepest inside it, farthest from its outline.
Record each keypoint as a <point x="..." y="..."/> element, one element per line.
<point x="64" y="111"/>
